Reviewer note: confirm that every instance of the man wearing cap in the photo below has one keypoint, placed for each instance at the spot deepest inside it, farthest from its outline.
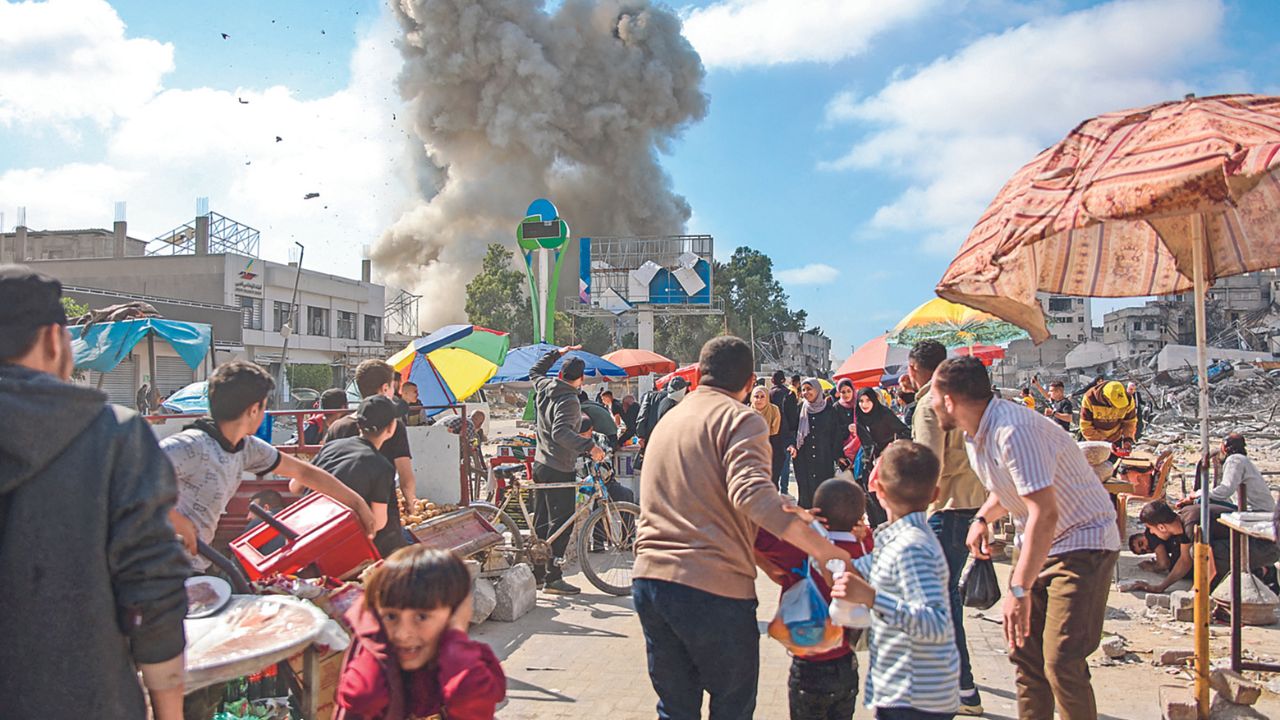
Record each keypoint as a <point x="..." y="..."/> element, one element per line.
<point x="357" y="462"/>
<point x="91" y="576"/>
<point x="559" y="415"/>
<point x="676" y="390"/>
<point x="1107" y="413"/>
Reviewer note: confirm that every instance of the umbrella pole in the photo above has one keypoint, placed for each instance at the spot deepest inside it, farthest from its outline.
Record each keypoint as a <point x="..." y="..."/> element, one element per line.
<point x="1200" y="552"/>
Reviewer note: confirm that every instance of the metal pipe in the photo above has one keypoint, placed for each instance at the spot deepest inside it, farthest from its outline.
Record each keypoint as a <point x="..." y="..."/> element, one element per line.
<point x="293" y="310"/>
<point x="1201" y="547"/>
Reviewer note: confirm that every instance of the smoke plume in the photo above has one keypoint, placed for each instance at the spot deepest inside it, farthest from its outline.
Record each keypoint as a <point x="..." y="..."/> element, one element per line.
<point x="510" y="103"/>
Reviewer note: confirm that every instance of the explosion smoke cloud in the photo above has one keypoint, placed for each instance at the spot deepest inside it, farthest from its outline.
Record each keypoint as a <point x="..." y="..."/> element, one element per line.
<point x="510" y="102"/>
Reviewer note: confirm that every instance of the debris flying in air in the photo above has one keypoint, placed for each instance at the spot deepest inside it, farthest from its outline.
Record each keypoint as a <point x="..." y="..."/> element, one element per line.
<point x="512" y="102"/>
<point x="309" y="196"/>
<point x="226" y="36"/>
<point x="279" y="139"/>
<point x="242" y="101"/>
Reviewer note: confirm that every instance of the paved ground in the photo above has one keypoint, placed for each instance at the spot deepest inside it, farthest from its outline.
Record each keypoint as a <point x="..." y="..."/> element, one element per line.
<point x="583" y="657"/>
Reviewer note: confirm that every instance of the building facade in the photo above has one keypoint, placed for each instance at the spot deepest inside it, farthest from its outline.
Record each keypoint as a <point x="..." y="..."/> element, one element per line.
<point x="336" y="322"/>
<point x="1068" y="317"/>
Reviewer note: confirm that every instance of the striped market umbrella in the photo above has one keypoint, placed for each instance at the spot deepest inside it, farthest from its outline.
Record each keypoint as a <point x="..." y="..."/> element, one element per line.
<point x="1150" y="201"/>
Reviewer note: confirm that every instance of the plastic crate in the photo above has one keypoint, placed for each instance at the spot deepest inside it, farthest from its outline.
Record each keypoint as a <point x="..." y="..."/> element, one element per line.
<point x="329" y="537"/>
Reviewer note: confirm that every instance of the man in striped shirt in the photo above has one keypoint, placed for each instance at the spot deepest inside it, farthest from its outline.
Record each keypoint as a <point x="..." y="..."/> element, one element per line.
<point x="1058" y="589"/>
<point x="915" y="666"/>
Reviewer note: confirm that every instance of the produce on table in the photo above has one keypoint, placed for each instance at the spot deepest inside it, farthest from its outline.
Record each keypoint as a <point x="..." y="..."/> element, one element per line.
<point x="421" y="511"/>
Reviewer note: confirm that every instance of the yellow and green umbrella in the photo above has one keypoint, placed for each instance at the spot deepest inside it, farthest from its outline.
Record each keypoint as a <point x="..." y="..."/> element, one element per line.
<point x="954" y="325"/>
<point x="451" y="364"/>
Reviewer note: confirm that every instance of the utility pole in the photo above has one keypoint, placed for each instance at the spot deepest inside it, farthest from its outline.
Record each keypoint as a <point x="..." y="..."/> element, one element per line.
<point x="287" y="330"/>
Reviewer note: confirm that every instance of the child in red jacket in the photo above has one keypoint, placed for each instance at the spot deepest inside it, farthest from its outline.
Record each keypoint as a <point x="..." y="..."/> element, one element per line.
<point x="411" y="657"/>
<point x="824" y="686"/>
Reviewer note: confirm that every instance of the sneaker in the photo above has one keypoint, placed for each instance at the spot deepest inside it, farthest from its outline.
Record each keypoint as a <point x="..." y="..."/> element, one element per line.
<point x="970" y="703"/>
<point x="560" y="587"/>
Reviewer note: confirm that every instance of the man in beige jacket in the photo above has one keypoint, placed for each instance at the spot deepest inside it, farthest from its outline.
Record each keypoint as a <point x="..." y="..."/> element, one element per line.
<point x="706" y="488"/>
<point x="960" y="494"/>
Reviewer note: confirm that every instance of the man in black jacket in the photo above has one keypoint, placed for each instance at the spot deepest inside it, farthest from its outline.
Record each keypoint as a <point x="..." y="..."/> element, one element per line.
<point x="785" y="400"/>
<point x="91" y="574"/>
<point x="558" y="413"/>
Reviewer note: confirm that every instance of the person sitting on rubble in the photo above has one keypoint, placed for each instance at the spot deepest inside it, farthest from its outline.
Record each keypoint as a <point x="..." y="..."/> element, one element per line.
<point x="1179" y="525"/>
<point x="1166" y="552"/>
<point x="1108" y="414"/>
<point x="1238" y="472"/>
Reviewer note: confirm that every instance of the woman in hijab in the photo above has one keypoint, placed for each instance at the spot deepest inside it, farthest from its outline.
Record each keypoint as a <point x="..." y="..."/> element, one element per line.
<point x="820" y="440"/>
<point x="847" y="409"/>
<point x="760" y="403"/>
<point x="877" y="426"/>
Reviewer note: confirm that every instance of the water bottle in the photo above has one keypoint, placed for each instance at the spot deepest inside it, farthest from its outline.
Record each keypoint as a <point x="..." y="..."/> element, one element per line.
<point x="843" y="612"/>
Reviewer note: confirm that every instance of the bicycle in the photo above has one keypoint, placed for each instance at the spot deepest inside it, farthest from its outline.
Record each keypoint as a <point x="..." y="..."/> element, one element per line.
<point x="604" y="530"/>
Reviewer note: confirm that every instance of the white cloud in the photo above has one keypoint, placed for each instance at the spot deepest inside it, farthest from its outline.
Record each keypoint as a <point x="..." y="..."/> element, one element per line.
<point x="67" y="60"/>
<point x="812" y="274"/>
<point x="176" y="145"/>
<point x="959" y="127"/>
<point x="740" y="33"/>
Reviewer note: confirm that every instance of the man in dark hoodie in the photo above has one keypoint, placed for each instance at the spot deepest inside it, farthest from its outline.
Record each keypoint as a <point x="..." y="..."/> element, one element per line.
<point x="90" y="573"/>
<point x="558" y="413"/>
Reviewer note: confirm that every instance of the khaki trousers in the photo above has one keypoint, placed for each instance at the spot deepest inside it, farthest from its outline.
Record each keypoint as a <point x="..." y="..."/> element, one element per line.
<point x="1068" y="605"/>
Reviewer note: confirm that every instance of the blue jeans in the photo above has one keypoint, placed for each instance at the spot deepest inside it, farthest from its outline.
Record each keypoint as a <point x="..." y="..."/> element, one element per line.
<point x="698" y="642"/>
<point x="952" y="527"/>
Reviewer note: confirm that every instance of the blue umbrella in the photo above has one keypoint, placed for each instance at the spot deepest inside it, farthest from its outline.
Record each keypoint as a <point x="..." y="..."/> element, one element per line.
<point x="519" y="360"/>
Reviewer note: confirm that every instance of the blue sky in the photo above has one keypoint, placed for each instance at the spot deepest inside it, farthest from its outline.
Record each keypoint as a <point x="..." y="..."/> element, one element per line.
<point x="854" y="142"/>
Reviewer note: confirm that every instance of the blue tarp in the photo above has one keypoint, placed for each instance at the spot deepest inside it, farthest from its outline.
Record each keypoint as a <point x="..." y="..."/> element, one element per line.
<point x="519" y="360"/>
<point x="102" y="346"/>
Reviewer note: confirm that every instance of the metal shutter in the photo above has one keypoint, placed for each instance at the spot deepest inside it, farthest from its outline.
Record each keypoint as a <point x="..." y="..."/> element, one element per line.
<point x="171" y="374"/>
<point x="119" y="383"/>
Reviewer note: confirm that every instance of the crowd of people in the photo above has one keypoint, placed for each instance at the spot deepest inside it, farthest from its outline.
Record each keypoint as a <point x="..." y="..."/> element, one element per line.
<point x="889" y="503"/>
<point x="716" y="504"/>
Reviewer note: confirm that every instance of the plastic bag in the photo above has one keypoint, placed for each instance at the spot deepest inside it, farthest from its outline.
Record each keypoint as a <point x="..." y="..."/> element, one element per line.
<point x="979" y="586"/>
<point x="802" y="623"/>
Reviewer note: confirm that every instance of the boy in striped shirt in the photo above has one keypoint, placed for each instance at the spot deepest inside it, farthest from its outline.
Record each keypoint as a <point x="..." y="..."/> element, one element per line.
<point x="915" y="667"/>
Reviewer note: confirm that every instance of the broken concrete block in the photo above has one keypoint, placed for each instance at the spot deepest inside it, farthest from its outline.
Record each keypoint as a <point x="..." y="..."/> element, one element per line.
<point x="1234" y="687"/>
<point x="483" y="600"/>
<point x="1157" y="600"/>
<point x="1174" y="656"/>
<point x="1184" y="614"/>
<point x="516" y="593"/>
<point x="1114" y="647"/>
<point x="1182" y="599"/>
<point x="1178" y="703"/>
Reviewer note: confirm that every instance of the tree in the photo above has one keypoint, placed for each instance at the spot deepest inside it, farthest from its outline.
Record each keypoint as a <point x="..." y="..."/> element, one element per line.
<point x="316" y="377"/>
<point x="594" y="335"/>
<point x="496" y="298"/>
<point x="750" y="293"/>
<point x="73" y="309"/>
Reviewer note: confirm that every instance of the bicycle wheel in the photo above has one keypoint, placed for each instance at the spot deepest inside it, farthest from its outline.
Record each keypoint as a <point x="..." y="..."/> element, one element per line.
<point x="607" y="546"/>
<point x="513" y="541"/>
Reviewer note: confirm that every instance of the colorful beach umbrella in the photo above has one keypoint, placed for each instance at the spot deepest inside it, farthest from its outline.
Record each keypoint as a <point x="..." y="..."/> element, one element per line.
<point x="953" y="325"/>
<point x="640" y="362"/>
<point x="452" y="363"/>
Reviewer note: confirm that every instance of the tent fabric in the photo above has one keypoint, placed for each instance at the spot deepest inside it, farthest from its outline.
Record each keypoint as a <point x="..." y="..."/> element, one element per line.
<point x="102" y="346"/>
<point x="521" y="359"/>
<point x="690" y="373"/>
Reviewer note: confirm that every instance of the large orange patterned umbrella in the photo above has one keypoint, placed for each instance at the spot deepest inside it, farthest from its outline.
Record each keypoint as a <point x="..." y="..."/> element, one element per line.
<point x="1151" y="201"/>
